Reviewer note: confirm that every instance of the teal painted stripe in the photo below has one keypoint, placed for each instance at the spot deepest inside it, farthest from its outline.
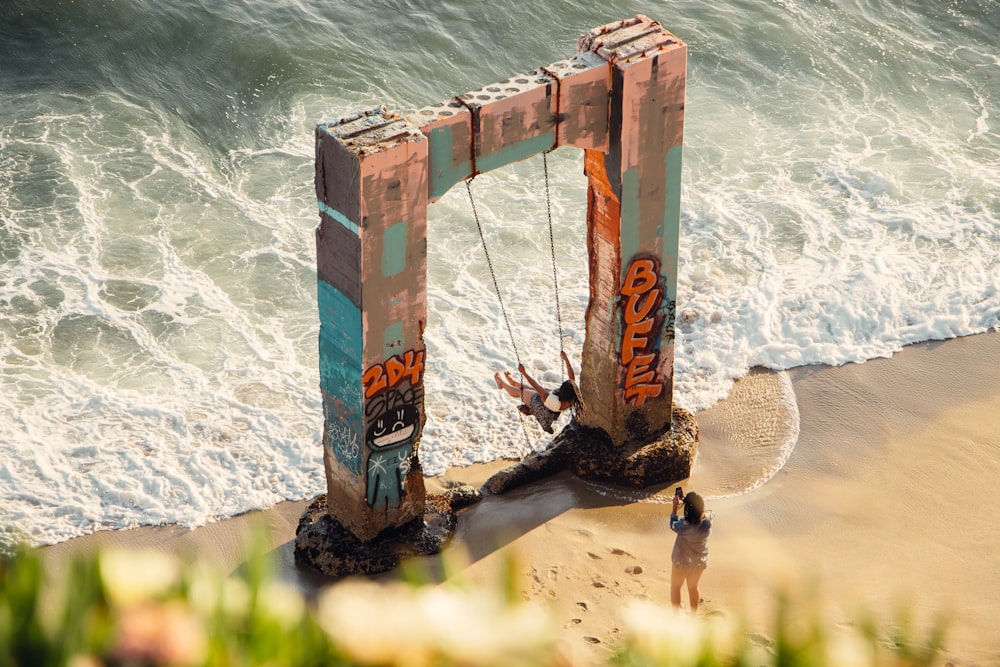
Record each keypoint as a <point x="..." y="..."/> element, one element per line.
<point x="338" y="216"/>
<point x="340" y="322"/>
<point x="672" y="220"/>
<point x="340" y="359"/>
<point x="394" y="249"/>
<point x="514" y="152"/>
<point x="441" y="152"/>
<point x="629" y="217"/>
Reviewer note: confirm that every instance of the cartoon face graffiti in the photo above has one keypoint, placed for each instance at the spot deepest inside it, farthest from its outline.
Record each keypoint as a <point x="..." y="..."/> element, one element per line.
<point x="392" y="430"/>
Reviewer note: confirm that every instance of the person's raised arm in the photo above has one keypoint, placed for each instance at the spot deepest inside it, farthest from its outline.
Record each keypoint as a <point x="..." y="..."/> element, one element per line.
<point x="674" y="521"/>
<point x="569" y="367"/>
<point x="534" y="385"/>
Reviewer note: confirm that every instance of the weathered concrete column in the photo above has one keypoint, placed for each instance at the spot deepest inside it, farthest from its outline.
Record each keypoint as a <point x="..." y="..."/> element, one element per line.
<point x="633" y="217"/>
<point x="371" y="245"/>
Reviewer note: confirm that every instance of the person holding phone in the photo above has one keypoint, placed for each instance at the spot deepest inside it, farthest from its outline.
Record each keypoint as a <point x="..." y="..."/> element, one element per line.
<point x="690" y="554"/>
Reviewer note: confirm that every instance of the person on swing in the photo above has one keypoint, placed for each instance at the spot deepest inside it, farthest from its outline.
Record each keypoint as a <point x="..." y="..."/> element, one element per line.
<point x="544" y="405"/>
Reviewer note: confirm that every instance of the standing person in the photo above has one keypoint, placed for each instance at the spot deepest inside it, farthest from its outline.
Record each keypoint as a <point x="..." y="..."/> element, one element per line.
<point x="544" y="405"/>
<point x="690" y="554"/>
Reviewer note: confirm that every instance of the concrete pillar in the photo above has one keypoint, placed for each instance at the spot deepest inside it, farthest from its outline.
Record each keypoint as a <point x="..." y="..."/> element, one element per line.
<point x="633" y="217"/>
<point x="371" y="244"/>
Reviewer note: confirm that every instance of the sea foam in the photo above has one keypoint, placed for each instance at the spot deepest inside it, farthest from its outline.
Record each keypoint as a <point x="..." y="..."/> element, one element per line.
<point x="158" y="324"/>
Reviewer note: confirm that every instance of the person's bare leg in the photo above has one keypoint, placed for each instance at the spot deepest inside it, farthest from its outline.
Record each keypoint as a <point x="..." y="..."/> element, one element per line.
<point x="693" y="577"/>
<point x="676" y="581"/>
<point x="520" y="391"/>
<point x="512" y="389"/>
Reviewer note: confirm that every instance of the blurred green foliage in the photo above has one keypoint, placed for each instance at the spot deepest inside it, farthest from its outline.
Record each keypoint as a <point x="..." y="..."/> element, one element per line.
<point x="132" y="609"/>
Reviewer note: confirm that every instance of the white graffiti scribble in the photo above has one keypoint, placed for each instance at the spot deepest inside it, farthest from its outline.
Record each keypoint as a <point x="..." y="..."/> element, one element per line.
<point x="345" y="442"/>
<point x="403" y="458"/>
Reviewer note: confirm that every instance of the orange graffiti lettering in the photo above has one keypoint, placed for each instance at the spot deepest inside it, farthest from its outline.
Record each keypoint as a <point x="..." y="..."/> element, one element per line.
<point x="640" y="371"/>
<point x="394" y="370"/>
<point x="639" y="306"/>
<point x="641" y="297"/>
<point x="636" y="338"/>
<point x="641" y="392"/>
<point x="641" y="277"/>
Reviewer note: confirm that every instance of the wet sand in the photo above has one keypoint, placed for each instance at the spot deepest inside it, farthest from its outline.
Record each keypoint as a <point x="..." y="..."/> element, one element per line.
<point x="885" y="499"/>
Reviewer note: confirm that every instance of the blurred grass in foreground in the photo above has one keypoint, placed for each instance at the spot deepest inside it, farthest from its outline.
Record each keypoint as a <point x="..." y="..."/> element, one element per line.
<point x="140" y="608"/>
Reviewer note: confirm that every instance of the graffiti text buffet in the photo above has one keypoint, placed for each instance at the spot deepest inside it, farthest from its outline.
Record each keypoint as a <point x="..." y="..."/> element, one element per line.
<point x="641" y="297"/>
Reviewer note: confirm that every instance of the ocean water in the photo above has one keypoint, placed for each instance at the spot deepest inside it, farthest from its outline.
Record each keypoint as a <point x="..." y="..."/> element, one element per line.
<point x="158" y="324"/>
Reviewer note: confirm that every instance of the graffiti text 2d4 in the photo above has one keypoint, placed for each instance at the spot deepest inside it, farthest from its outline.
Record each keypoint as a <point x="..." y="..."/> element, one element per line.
<point x="394" y="370"/>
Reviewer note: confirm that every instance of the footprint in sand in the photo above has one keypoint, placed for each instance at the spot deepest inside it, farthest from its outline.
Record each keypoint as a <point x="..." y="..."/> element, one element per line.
<point x="583" y="605"/>
<point x="539" y="587"/>
<point x="573" y="621"/>
<point x="633" y="569"/>
<point x="593" y="555"/>
<point x="620" y="552"/>
<point x="591" y="640"/>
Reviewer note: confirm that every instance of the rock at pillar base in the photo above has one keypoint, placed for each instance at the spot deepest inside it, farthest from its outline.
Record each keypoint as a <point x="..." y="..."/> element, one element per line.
<point x="666" y="458"/>
<point x="588" y="453"/>
<point x="324" y="545"/>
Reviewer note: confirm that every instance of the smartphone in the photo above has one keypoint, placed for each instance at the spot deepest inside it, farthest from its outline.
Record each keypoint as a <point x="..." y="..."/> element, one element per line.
<point x="679" y="492"/>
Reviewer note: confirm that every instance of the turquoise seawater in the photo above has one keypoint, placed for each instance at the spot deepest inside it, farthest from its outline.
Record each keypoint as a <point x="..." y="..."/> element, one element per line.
<point x="158" y="322"/>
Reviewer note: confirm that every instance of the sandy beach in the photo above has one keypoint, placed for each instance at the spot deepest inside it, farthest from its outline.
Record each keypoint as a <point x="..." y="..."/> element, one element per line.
<point x="885" y="499"/>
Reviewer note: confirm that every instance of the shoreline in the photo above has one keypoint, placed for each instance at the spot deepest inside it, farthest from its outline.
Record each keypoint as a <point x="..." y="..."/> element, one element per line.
<point x="859" y="510"/>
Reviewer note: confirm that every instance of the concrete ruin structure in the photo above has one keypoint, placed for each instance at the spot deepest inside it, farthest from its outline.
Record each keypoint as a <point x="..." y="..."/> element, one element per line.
<point x="621" y="100"/>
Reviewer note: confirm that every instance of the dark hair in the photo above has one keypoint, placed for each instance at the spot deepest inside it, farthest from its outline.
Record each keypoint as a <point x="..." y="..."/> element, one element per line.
<point x="694" y="507"/>
<point x="567" y="392"/>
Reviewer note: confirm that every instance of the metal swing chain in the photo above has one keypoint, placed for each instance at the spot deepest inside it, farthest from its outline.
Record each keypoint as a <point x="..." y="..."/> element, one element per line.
<point x="493" y="275"/>
<point x="496" y="288"/>
<point x="552" y="248"/>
